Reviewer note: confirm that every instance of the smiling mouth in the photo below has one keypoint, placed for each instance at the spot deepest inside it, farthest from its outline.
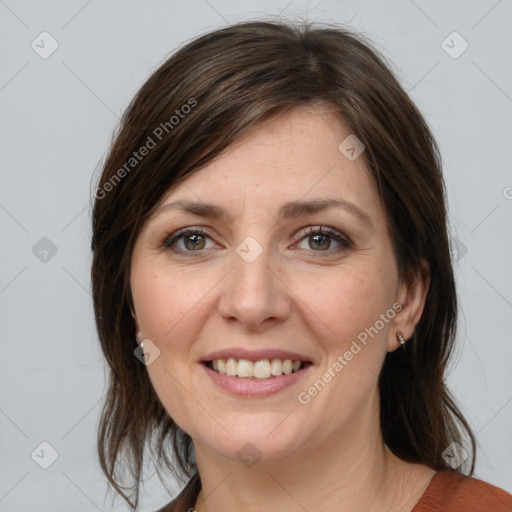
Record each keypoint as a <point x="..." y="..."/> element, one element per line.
<point x="257" y="370"/>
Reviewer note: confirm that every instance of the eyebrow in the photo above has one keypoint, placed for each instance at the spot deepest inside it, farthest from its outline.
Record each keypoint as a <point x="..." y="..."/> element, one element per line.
<point x="292" y="209"/>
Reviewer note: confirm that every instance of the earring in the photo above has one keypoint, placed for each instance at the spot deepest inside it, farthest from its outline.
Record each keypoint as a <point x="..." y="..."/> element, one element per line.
<point x="140" y="337"/>
<point x="400" y="338"/>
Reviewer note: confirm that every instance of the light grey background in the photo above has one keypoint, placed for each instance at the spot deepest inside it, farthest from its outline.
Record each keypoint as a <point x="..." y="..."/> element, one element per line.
<point x="57" y="118"/>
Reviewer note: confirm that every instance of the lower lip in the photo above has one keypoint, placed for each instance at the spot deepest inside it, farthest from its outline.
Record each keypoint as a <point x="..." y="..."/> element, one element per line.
<point x="251" y="387"/>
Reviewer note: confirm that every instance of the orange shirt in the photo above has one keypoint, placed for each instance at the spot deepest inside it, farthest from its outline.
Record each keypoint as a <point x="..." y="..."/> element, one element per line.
<point x="452" y="492"/>
<point x="447" y="492"/>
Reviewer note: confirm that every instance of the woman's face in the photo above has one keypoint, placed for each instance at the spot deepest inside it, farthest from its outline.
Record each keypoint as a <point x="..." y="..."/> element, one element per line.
<point x="262" y="284"/>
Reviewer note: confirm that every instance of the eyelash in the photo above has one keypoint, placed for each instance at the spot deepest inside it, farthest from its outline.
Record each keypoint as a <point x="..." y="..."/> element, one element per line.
<point x="344" y="241"/>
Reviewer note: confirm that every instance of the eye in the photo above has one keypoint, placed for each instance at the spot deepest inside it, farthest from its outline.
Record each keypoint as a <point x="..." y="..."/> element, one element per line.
<point x="186" y="240"/>
<point x="321" y="238"/>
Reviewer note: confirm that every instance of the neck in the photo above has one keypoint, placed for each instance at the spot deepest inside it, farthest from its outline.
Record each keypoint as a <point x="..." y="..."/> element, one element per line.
<point x="347" y="471"/>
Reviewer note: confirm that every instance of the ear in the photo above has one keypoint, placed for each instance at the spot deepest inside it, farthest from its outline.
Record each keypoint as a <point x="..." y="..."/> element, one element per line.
<point x="411" y="294"/>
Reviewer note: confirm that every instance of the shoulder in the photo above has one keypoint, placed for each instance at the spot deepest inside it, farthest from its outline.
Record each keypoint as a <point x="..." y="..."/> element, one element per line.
<point x="453" y="492"/>
<point x="186" y="500"/>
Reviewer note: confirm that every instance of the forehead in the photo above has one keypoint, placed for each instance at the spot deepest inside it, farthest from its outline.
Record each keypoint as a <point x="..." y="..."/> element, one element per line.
<point x="301" y="154"/>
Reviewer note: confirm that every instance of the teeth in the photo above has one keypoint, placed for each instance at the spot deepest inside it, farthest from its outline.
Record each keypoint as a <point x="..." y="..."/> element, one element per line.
<point x="245" y="368"/>
<point x="231" y="367"/>
<point x="263" y="369"/>
<point x="276" y="367"/>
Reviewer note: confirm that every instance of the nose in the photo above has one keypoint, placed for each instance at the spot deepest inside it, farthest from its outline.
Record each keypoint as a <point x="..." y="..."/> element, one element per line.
<point x="254" y="294"/>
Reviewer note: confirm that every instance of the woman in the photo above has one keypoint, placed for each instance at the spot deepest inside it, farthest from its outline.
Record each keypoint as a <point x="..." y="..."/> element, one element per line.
<point x="273" y="286"/>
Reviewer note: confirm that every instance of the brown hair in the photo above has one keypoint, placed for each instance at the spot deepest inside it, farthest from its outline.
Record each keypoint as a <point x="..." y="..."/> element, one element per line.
<point x="231" y="80"/>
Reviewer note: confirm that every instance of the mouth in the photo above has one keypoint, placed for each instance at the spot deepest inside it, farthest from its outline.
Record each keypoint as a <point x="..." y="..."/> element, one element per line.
<point x="260" y="369"/>
<point x="255" y="373"/>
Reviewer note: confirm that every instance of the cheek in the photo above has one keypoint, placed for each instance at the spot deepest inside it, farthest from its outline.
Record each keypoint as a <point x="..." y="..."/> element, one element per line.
<point x="344" y="309"/>
<point x="172" y="308"/>
<point x="168" y="304"/>
<point x="346" y="303"/>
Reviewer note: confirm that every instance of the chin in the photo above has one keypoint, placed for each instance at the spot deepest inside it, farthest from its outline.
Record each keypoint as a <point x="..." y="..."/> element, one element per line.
<point x="258" y="438"/>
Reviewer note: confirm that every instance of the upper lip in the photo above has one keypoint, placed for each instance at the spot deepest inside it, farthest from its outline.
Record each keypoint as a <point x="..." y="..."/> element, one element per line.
<point x="254" y="355"/>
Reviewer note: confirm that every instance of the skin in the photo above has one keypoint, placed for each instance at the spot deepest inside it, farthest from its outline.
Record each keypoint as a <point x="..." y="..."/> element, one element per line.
<point x="306" y="295"/>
